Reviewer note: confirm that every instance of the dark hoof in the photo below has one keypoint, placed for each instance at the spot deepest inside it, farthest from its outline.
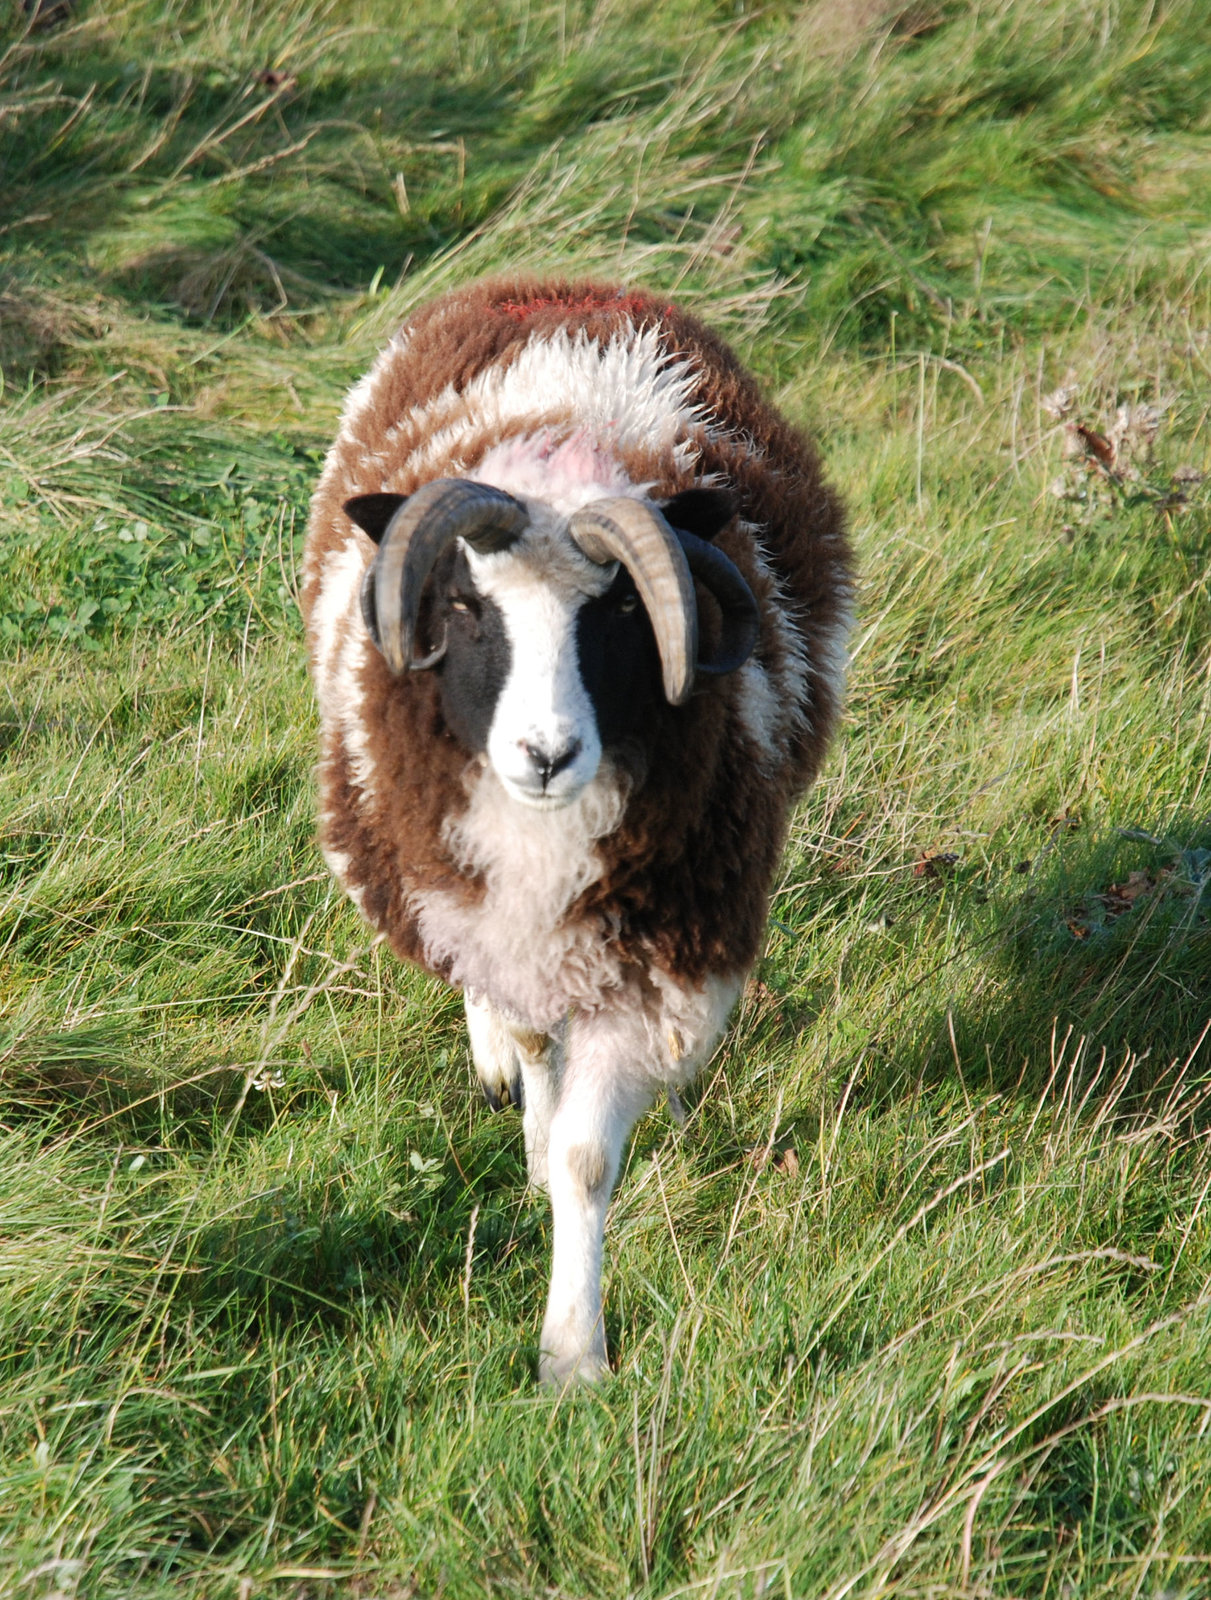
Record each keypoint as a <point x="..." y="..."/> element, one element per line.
<point x="506" y="1095"/>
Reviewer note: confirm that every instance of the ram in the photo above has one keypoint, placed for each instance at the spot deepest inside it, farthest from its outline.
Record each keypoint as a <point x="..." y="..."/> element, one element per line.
<point x="577" y="602"/>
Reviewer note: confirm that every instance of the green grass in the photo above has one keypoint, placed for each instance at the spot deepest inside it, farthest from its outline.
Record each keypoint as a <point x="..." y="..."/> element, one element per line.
<point x="918" y="1303"/>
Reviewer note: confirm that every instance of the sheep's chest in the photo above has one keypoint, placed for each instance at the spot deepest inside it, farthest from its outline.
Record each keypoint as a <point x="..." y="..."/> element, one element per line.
<point x="516" y="945"/>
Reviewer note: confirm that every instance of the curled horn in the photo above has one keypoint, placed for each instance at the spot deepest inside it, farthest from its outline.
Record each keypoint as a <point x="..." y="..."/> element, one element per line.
<point x="425" y="523"/>
<point x="741" y="623"/>
<point x="664" y="562"/>
<point x="635" y="533"/>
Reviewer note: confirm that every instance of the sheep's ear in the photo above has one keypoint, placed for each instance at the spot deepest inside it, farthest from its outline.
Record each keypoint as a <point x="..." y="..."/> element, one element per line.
<point x="373" y="512"/>
<point x="702" y="512"/>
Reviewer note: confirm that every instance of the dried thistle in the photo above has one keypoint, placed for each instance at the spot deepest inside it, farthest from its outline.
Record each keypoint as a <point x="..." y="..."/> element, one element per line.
<point x="1060" y="402"/>
<point x="1105" y="468"/>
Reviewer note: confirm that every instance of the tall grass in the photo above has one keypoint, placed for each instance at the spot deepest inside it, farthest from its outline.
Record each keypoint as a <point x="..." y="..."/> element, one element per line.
<point x="916" y="1303"/>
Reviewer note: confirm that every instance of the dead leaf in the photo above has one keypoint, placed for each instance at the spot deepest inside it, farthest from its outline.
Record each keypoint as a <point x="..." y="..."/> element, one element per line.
<point x="1121" y="897"/>
<point x="935" y="864"/>
<point x="1118" y="899"/>
<point x="1064" y="822"/>
<point x="787" y="1160"/>
<point x="725" y="242"/>
<point x="1094" y="446"/>
<point x="843" y="864"/>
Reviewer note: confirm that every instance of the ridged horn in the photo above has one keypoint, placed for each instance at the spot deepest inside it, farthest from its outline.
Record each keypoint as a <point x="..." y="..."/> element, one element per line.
<point x="635" y="533"/>
<point x="429" y="520"/>
<point x="664" y="561"/>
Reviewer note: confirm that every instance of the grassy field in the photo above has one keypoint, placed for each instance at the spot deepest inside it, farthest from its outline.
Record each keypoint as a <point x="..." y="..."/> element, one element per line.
<point x="918" y="1303"/>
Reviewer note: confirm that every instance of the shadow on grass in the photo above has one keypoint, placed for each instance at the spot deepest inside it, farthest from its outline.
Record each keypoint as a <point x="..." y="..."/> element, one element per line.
<point x="214" y="191"/>
<point x="306" y="1253"/>
<point x="219" y="193"/>
<point x="301" y="1248"/>
<point x="1109" y="946"/>
<point x="1088" y="963"/>
<point x="1106" y="940"/>
<point x="89" y="1081"/>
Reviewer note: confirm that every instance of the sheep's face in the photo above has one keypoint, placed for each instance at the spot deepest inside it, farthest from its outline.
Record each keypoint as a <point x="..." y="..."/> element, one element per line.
<point x="531" y="572"/>
<point x="549" y="660"/>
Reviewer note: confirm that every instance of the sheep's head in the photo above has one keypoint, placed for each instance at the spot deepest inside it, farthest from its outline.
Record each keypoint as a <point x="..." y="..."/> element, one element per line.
<point x="554" y="634"/>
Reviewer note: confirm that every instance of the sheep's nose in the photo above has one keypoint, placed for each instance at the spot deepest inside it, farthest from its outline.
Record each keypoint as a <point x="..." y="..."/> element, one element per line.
<point x="549" y="763"/>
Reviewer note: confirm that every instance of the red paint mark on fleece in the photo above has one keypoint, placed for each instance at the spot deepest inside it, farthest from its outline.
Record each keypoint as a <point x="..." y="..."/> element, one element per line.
<point x="635" y="306"/>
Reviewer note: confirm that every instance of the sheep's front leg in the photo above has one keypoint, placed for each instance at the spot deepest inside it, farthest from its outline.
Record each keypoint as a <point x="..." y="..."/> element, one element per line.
<point x="604" y="1090"/>
<point x="494" y="1053"/>
<point x="515" y="1066"/>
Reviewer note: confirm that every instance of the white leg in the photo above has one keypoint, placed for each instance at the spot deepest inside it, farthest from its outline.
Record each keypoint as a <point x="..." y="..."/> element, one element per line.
<point x="605" y="1089"/>
<point x="614" y="1064"/>
<point x="515" y="1067"/>
<point x="494" y="1053"/>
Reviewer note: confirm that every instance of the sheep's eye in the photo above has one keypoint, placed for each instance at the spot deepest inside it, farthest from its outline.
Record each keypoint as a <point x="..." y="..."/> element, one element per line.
<point x="460" y="602"/>
<point x="627" y="604"/>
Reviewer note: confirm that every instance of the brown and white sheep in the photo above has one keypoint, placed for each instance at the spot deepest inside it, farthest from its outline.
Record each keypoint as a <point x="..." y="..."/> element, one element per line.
<point x="577" y="601"/>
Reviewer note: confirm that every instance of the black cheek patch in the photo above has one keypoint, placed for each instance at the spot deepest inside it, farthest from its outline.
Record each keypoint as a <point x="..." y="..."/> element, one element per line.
<point x="619" y="662"/>
<point x="477" y="660"/>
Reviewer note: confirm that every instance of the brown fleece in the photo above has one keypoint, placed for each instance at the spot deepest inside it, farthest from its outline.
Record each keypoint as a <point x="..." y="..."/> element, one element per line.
<point x="687" y="872"/>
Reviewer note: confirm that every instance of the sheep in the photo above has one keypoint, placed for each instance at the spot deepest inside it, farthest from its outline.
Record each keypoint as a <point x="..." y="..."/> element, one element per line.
<point x="576" y="602"/>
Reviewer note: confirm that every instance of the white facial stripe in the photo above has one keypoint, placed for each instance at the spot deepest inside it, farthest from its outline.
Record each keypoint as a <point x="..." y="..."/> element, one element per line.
<point x="543" y="742"/>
